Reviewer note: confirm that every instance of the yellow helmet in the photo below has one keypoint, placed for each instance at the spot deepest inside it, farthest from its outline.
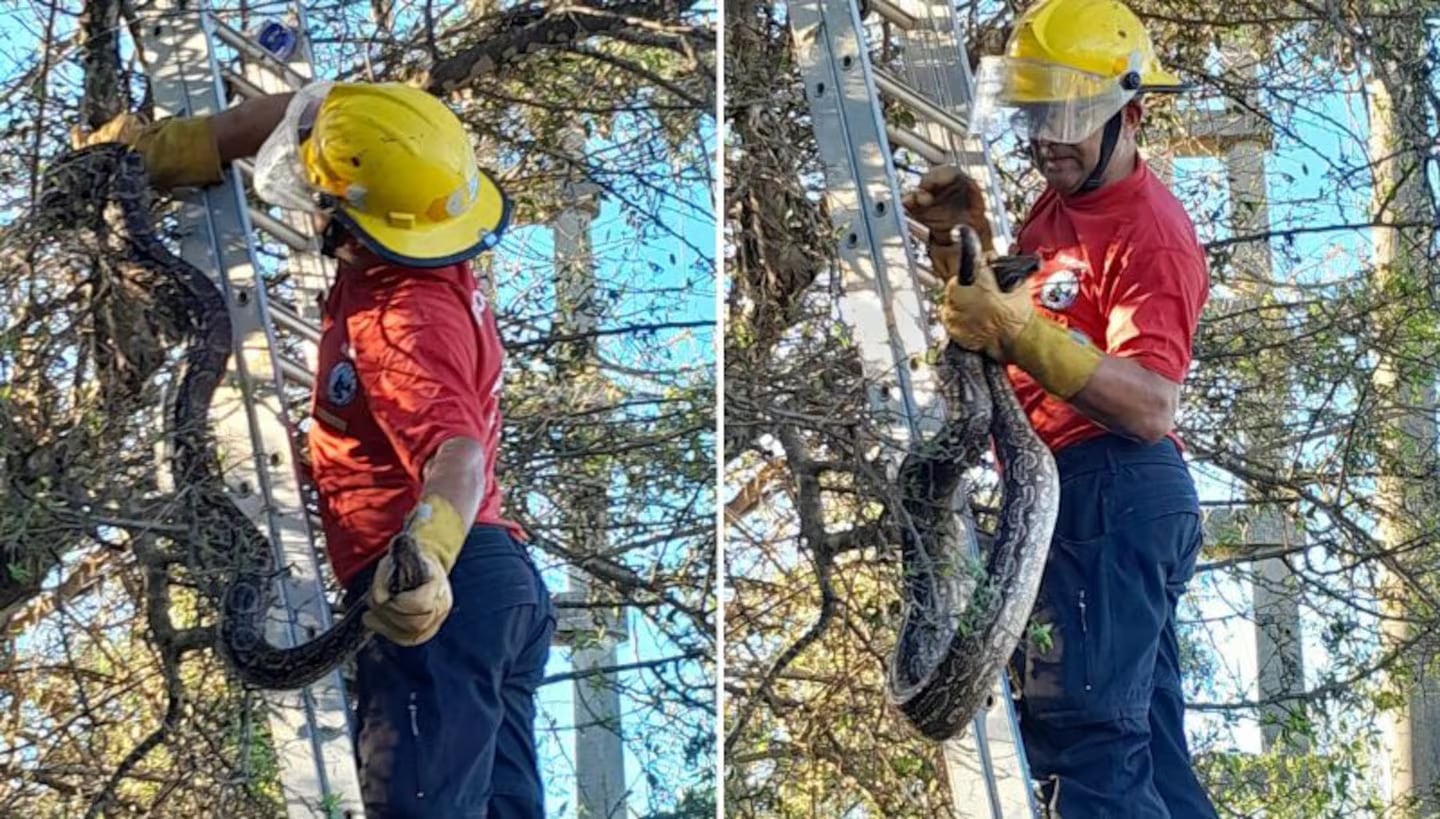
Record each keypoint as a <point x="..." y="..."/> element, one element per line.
<point x="1103" y="38"/>
<point x="395" y="167"/>
<point x="1068" y="67"/>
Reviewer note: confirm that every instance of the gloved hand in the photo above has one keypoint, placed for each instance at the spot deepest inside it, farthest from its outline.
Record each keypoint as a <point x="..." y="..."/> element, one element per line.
<point x="980" y="316"/>
<point x="178" y="152"/>
<point x="412" y="617"/>
<point x="948" y="197"/>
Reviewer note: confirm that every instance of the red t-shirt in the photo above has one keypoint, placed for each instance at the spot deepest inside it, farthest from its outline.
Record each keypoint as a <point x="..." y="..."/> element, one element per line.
<point x="409" y="358"/>
<point x="1123" y="266"/>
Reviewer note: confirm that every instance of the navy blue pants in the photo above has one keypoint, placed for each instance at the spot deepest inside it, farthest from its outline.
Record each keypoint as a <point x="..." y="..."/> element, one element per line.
<point x="1102" y="712"/>
<point x="446" y="729"/>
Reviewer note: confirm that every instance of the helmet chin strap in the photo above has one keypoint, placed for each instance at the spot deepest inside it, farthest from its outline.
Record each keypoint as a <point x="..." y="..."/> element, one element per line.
<point x="1107" y="149"/>
<point x="332" y="237"/>
<point x="334" y="232"/>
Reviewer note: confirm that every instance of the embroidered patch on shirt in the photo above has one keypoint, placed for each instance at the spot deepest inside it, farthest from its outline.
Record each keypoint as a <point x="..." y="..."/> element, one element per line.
<point x="342" y="385"/>
<point x="1060" y="290"/>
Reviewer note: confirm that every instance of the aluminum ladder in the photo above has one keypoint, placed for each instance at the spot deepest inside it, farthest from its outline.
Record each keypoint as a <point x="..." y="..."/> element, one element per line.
<point x="199" y="63"/>
<point x="884" y="283"/>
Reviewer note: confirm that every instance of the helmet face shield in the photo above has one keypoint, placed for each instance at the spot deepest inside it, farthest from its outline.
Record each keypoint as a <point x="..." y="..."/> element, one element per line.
<point x="279" y="170"/>
<point x="1045" y="101"/>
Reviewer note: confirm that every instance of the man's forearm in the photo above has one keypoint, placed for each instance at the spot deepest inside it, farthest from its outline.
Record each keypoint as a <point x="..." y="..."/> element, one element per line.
<point x="1130" y="400"/>
<point x="240" y="131"/>
<point x="456" y="472"/>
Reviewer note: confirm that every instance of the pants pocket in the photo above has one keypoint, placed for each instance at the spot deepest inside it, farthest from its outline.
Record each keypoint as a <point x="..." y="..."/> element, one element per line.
<point x="1058" y="680"/>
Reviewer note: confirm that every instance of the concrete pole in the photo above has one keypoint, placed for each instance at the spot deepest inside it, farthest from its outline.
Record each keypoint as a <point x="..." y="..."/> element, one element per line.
<point x="1399" y="196"/>
<point x="599" y="751"/>
<point x="1279" y="658"/>
<point x="1241" y="141"/>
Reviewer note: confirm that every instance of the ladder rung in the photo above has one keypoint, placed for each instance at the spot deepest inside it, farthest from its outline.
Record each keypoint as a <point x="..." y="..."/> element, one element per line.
<point x="900" y="18"/>
<point x="245" y="46"/>
<point x="925" y="275"/>
<point x="294" y="372"/>
<point x="291" y="237"/>
<point x="924" y="272"/>
<point x="906" y="138"/>
<point x="290" y="320"/>
<point x="918" y="103"/>
<point x="917" y="230"/>
<point x="247" y="89"/>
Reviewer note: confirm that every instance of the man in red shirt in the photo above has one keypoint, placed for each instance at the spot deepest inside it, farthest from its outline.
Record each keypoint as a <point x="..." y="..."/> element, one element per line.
<point x="1097" y="347"/>
<point x="406" y="428"/>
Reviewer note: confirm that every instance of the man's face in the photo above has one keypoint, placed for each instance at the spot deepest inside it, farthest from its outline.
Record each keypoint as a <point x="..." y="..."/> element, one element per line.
<point x="1066" y="166"/>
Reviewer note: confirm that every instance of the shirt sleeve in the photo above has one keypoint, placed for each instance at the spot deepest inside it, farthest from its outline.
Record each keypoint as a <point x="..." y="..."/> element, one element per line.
<point x="416" y="354"/>
<point x="1154" y="308"/>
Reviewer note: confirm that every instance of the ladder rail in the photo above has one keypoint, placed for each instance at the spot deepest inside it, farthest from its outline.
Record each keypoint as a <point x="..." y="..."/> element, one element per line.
<point x="311" y="729"/>
<point x="938" y="77"/>
<point x="293" y="600"/>
<point x="289" y="623"/>
<point x="880" y="295"/>
<point x="987" y="766"/>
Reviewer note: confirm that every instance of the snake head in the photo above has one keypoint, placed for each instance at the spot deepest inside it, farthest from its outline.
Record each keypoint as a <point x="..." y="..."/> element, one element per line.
<point x="1011" y="271"/>
<point x="410" y="572"/>
<point x="970" y="256"/>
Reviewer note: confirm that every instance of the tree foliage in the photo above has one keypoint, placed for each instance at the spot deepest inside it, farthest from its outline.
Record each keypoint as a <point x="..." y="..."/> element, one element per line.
<point x="1310" y="399"/>
<point x="616" y="97"/>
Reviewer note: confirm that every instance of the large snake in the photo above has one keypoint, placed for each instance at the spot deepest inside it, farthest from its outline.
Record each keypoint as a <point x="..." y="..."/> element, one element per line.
<point x="75" y="192"/>
<point x="964" y="617"/>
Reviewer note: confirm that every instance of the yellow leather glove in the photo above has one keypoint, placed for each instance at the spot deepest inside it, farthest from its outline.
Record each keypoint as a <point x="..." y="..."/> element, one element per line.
<point x="178" y="152"/>
<point x="410" y="618"/>
<point x="1005" y="326"/>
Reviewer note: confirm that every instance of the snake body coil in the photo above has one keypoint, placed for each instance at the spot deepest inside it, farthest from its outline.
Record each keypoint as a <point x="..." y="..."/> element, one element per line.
<point x="963" y="620"/>
<point x="76" y="190"/>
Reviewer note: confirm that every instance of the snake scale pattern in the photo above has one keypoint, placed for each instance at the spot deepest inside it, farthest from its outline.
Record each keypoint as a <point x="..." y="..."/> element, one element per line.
<point x="77" y="190"/>
<point x="963" y="618"/>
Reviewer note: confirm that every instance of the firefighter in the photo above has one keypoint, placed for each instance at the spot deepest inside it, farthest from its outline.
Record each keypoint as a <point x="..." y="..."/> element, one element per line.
<point x="1098" y="344"/>
<point x="406" y="428"/>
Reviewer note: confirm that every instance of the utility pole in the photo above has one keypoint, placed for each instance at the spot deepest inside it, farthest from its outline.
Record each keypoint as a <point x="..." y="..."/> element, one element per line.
<point x="1398" y="144"/>
<point x="1241" y="140"/>
<point x="594" y="626"/>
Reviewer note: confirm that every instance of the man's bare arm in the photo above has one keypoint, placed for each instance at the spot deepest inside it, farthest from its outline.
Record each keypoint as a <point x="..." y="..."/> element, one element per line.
<point x="240" y="131"/>
<point x="1130" y="400"/>
<point x="456" y="472"/>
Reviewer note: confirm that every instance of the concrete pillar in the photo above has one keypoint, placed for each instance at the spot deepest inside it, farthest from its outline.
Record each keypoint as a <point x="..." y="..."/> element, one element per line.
<point x="599" y="750"/>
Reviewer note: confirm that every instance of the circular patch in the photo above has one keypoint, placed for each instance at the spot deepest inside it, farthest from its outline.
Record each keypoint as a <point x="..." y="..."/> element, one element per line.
<point x="1060" y="290"/>
<point x="342" y="385"/>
